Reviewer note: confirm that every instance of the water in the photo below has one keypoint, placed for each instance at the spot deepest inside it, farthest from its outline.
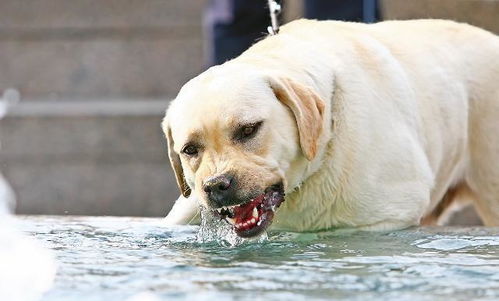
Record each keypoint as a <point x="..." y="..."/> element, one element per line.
<point x="116" y="258"/>
<point x="27" y="270"/>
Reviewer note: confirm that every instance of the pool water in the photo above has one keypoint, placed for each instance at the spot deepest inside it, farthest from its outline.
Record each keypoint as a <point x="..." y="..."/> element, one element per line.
<point x="111" y="258"/>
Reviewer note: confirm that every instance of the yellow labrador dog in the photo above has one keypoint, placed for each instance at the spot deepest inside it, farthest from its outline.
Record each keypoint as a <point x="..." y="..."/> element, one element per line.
<point x="336" y="124"/>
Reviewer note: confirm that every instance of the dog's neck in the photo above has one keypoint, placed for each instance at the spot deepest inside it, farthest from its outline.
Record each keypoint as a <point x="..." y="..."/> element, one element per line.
<point x="316" y="180"/>
<point x="320" y="189"/>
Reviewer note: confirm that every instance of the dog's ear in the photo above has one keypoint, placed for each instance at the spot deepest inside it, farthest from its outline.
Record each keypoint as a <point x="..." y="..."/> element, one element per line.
<point x="308" y="109"/>
<point x="175" y="161"/>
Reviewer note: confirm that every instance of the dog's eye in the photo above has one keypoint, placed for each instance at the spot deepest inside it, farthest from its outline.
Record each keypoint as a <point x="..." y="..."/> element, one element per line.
<point x="247" y="131"/>
<point x="190" y="150"/>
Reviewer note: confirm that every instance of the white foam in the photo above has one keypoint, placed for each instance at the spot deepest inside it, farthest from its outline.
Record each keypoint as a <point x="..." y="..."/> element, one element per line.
<point x="27" y="269"/>
<point x="7" y="200"/>
<point x="145" y="296"/>
<point x="457" y="243"/>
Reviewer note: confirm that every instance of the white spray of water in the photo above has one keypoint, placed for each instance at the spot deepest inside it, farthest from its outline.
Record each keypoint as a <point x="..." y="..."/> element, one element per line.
<point x="213" y="229"/>
<point x="7" y="200"/>
<point x="27" y="270"/>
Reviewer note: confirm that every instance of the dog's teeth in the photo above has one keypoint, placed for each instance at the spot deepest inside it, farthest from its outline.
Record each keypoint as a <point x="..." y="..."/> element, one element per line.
<point x="231" y="220"/>
<point x="255" y="212"/>
<point x="253" y="220"/>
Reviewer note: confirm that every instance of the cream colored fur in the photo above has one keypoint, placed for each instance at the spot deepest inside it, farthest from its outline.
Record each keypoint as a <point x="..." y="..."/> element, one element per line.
<point x="411" y="110"/>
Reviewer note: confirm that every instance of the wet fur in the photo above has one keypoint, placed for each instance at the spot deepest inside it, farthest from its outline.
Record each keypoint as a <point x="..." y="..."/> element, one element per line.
<point x="408" y="111"/>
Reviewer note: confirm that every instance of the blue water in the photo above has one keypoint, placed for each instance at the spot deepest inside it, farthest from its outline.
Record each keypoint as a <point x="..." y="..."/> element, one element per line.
<point x="115" y="258"/>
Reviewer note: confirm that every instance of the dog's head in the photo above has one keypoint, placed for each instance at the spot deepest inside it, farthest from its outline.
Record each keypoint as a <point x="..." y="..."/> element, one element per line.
<point x="234" y="137"/>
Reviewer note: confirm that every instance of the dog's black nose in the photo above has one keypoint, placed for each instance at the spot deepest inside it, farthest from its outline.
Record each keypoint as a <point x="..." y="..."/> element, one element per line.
<point x="220" y="189"/>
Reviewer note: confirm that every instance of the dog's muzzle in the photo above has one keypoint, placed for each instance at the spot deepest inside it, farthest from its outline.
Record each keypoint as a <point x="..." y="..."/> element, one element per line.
<point x="253" y="217"/>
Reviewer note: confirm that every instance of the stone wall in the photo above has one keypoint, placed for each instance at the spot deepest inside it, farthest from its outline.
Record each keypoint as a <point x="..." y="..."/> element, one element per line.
<point x="481" y="13"/>
<point x="99" y="158"/>
<point x="87" y="49"/>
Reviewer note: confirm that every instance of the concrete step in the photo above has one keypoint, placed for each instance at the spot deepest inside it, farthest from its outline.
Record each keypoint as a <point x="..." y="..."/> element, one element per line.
<point x="76" y="70"/>
<point x="481" y="13"/>
<point x="62" y="14"/>
<point x="91" y="158"/>
<point x="73" y="50"/>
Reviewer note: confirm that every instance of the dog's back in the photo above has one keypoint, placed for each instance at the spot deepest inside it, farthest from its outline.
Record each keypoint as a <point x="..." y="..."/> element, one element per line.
<point x="445" y="71"/>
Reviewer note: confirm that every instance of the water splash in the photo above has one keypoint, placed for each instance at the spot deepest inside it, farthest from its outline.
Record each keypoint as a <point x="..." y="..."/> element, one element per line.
<point x="27" y="269"/>
<point x="213" y="229"/>
<point x="7" y="198"/>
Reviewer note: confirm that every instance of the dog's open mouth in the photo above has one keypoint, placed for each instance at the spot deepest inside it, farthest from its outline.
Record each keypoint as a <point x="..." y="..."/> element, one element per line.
<point x="252" y="218"/>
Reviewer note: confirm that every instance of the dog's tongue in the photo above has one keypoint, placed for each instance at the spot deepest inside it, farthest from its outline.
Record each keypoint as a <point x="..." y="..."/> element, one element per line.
<point x="245" y="212"/>
<point x="254" y="217"/>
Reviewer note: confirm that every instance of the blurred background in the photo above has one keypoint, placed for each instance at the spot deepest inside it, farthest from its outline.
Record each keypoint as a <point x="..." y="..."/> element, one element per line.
<point x="94" y="79"/>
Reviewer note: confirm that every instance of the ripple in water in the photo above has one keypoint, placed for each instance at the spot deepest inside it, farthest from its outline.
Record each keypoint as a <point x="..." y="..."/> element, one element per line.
<point x="104" y="259"/>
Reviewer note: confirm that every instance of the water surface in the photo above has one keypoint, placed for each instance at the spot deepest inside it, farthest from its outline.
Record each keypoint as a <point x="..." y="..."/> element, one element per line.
<point x="110" y="258"/>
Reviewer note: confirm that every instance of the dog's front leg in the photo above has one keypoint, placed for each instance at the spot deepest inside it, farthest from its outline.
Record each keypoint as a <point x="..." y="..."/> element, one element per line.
<point x="185" y="211"/>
